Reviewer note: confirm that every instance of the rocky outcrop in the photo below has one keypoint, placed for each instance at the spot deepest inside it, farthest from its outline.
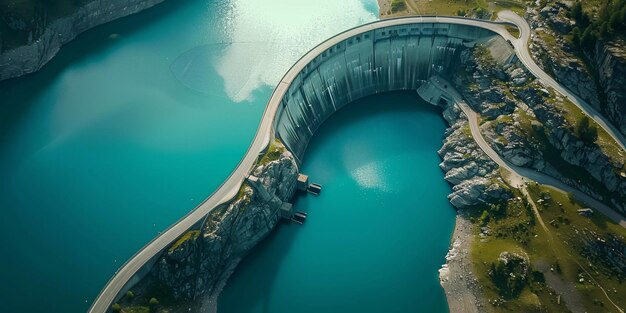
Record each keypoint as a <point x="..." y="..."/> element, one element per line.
<point x="510" y="272"/>
<point x="200" y="263"/>
<point x="605" y="182"/>
<point x="527" y="126"/>
<point x="610" y="59"/>
<point x="471" y="172"/>
<point x="551" y="51"/>
<point x="601" y="84"/>
<point x="46" y="41"/>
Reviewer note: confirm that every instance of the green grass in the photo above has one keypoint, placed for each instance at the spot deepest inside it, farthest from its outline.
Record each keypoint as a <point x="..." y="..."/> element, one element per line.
<point x="514" y="31"/>
<point x="136" y="309"/>
<point x="577" y="173"/>
<point x="552" y="155"/>
<point x="452" y="7"/>
<point x="567" y="227"/>
<point x="549" y="39"/>
<point x="609" y="147"/>
<point x="514" y="230"/>
<point x="274" y="152"/>
<point x="398" y="6"/>
<point x="192" y="234"/>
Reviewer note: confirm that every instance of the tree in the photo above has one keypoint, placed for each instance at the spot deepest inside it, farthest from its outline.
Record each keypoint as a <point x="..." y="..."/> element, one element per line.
<point x="604" y="30"/>
<point x="130" y="294"/>
<point x="589" y="38"/>
<point x="576" y="36"/>
<point x="484" y="218"/>
<point x="398" y="5"/>
<point x="153" y="301"/>
<point x="585" y="131"/>
<point x="615" y="21"/>
<point x="603" y="13"/>
<point x="509" y="274"/>
<point x="116" y="307"/>
<point x="576" y="11"/>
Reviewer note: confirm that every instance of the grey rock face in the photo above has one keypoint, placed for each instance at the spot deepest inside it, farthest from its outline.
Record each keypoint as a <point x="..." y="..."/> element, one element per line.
<point x="196" y="266"/>
<point x="31" y="57"/>
<point x="611" y="64"/>
<point x="467" y="167"/>
<point x="544" y="130"/>
<point x="560" y="60"/>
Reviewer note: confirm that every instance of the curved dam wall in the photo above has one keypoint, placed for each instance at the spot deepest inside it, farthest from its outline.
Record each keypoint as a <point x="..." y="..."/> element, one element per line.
<point x="388" y="55"/>
<point x="392" y="58"/>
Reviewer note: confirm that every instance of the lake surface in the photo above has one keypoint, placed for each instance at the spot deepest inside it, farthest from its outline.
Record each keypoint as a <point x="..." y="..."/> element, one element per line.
<point x="376" y="235"/>
<point x="131" y="126"/>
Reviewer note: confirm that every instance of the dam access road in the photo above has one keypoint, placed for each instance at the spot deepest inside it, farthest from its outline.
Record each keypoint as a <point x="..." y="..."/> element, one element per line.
<point x="520" y="175"/>
<point x="266" y="132"/>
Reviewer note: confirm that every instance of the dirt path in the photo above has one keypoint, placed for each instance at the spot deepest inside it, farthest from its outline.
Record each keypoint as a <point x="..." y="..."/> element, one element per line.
<point x="558" y="249"/>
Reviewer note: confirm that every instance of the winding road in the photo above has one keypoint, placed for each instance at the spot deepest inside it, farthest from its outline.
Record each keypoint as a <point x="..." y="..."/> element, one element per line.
<point x="265" y="134"/>
<point x="521" y="50"/>
<point x="519" y="175"/>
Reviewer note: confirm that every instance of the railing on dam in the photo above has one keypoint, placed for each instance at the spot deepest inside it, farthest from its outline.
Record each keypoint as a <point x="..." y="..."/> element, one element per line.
<point x="381" y="56"/>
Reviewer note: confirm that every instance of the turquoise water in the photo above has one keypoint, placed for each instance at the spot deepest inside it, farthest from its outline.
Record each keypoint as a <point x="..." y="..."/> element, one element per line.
<point x="130" y="127"/>
<point x="376" y="235"/>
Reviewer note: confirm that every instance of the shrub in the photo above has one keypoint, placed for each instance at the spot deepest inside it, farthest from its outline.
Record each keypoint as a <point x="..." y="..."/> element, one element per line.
<point x="130" y="294"/>
<point x="484" y="218"/>
<point x="509" y="273"/>
<point x="398" y="5"/>
<point x="116" y="307"/>
<point x="585" y="131"/>
<point x="153" y="301"/>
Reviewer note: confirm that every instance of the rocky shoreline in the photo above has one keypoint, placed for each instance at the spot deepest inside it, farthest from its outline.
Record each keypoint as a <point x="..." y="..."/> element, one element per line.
<point x="456" y="276"/>
<point x="32" y="56"/>
<point x="475" y="180"/>
<point x="196" y="267"/>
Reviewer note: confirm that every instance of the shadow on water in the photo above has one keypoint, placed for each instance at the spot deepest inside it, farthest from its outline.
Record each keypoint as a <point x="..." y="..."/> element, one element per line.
<point x="267" y="255"/>
<point x="18" y="94"/>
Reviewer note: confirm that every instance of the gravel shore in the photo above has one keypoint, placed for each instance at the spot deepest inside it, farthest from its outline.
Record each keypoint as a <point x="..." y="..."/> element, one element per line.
<point x="456" y="276"/>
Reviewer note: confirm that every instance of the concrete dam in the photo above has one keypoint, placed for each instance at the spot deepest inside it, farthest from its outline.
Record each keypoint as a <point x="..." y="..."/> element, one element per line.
<point x="398" y="57"/>
<point x="388" y="55"/>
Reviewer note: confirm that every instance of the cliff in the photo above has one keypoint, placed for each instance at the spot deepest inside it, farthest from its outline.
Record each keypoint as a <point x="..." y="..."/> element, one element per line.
<point x="200" y="261"/>
<point x="46" y="38"/>
<point x="531" y="126"/>
<point x="555" y="54"/>
<point x="610" y="59"/>
<point x="597" y="77"/>
<point x="474" y="176"/>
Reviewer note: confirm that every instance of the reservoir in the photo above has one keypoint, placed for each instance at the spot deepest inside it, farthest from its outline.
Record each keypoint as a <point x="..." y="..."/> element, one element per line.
<point x="376" y="235"/>
<point x="134" y="123"/>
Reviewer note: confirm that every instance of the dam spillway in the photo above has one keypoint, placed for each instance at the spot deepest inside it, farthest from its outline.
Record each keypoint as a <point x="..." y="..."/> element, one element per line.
<point x="391" y="58"/>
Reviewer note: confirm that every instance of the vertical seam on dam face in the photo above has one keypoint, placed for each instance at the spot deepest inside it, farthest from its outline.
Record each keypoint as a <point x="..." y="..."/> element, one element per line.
<point x="300" y="104"/>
